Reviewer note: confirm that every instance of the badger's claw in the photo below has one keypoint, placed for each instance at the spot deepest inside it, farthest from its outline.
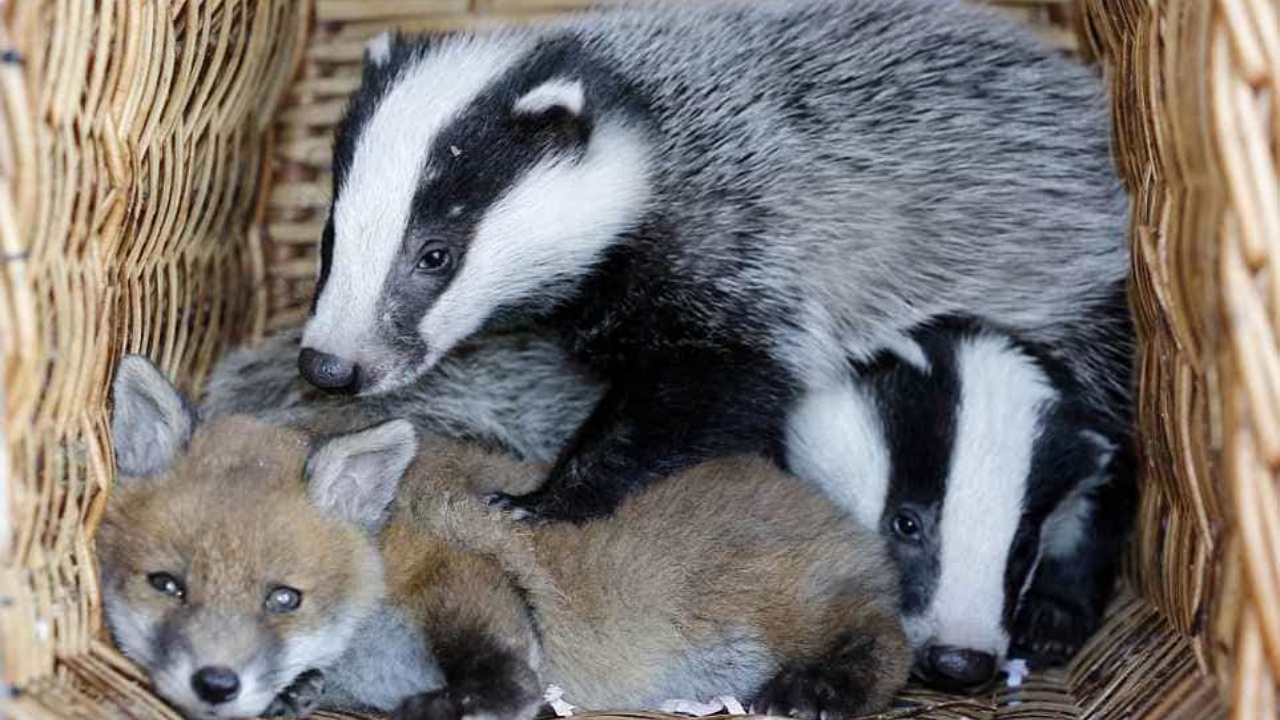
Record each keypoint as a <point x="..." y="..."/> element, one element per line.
<point x="1049" y="632"/>
<point x="300" y="699"/>
<point x="537" y="509"/>
<point x="541" y="506"/>
<point x="512" y="506"/>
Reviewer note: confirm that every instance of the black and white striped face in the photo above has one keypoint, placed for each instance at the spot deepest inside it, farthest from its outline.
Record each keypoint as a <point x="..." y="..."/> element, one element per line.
<point x="959" y="456"/>
<point x="473" y="175"/>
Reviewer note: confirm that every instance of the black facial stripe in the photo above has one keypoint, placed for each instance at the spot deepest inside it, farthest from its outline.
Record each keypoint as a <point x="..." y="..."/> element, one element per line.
<point x="1022" y="559"/>
<point x="1062" y="459"/>
<point x="474" y="161"/>
<point x="918" y="411"/>
<point x="326" y="262"/>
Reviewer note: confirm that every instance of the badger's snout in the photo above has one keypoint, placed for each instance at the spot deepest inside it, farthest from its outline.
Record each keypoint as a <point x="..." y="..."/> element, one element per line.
<point x="329" y="372"/>
<point x="955" y="669"/>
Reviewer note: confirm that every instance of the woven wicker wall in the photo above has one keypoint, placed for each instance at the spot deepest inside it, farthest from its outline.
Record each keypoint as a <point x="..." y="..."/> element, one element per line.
<point x="163" y="174"/>
<point x="130" y="164"/>
<point x="1196" y="90"/>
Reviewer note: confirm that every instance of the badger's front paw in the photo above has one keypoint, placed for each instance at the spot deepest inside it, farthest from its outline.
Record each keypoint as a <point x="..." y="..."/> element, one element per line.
<point x="542" y="506"/>
<point x="1049" y="631"/>
<point x="438" y="705"/>
<point x="300" y="699"/>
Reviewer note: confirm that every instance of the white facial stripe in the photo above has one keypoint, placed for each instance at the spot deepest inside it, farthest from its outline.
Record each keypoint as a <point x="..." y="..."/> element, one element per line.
<point x="1001" y="396"/>
<point x="835" y="439"/>
<point x="553" y="224"/>
<point x="373" y="210"/>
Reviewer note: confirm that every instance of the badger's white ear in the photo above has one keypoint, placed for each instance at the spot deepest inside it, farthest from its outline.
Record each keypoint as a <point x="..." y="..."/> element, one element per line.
<point x="150" y="420"/>
<point x="558" y="95"/>
<point x="378" y="50"/>
<point x="353" y="477"/>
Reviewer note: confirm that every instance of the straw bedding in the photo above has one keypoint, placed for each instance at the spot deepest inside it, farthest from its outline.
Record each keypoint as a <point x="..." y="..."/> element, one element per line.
<point x="163" y="174"/>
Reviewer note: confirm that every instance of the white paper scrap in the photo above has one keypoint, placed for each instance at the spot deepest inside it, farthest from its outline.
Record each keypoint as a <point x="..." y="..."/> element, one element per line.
<point x="724" y="703"/>
<point x="1016" y="669"/>
<point x="554" y="696"/>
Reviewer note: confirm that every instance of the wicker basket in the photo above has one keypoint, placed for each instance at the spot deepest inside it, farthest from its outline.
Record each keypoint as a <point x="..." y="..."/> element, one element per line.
<point x="163" y="175"/>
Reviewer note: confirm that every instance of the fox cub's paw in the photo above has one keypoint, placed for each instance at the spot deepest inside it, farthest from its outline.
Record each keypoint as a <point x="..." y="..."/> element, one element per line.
<point x="300" y="699"/>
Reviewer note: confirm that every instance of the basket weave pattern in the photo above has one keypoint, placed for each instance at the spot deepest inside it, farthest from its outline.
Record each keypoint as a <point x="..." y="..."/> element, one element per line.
<point x="163" y="180"/>
<point x="1196" y="92"/>
<point x="134" y="137"/>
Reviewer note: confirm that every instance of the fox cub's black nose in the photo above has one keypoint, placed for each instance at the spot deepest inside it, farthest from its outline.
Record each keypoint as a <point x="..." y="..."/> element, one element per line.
<point x="329" y="372"/>
<point x="957" y="669"/>
<point x="215" y="684"/>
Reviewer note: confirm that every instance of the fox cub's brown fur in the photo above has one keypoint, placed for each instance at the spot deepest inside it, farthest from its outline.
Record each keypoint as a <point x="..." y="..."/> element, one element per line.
<point x="255" y="569"/>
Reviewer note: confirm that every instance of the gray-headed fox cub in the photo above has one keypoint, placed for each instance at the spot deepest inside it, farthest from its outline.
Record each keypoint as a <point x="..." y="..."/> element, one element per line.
<point x="255" y="569"/>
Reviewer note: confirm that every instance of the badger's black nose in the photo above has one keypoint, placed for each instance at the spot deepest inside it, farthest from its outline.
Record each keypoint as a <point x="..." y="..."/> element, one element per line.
<point x="956" y="669"/>
<point x="329" y="372"/>
<point x="215" y="684"/>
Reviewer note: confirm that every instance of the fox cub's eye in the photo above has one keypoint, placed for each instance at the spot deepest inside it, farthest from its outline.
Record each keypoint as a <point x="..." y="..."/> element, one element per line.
<point x="283" y="600"/>
<point x="167" y="584"/>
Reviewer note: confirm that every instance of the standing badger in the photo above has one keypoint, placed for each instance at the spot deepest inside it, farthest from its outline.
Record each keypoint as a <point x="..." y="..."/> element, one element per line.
<point x="718" y="205"/>
<point x="1005" y="498"/>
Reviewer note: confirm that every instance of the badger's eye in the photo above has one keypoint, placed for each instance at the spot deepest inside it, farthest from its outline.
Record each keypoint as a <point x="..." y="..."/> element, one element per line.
<point x="283" y="599"/>
<point x="434" y="259"/>
<point x="167" y="584"/>
<point x="906" y="525"/>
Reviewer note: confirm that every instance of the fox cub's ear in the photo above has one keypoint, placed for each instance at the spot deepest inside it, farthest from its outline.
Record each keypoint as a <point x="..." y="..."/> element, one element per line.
<point x="151" y="421"/>
<point x="353" y="477"/>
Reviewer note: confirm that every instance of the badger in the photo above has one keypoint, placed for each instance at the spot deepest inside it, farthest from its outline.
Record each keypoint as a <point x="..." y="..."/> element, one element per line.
<point x="519" y="392"/>
<point x="714" y="207"/>
<point x="1005" y="497"/>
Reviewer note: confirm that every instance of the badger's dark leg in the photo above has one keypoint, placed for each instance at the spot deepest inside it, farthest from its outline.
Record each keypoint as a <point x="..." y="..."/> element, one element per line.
<point x="865" y="662"/>
<point x="482" y="679"/>
<point x="1074" y="579"/>
<point x="654" y="422"/>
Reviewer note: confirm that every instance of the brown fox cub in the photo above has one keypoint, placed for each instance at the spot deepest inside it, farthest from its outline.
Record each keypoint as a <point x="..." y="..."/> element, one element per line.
<point x="253" y="569"/>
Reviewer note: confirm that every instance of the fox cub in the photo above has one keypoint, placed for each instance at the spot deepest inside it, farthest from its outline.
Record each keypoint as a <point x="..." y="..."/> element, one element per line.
<point x="254" y="569"/>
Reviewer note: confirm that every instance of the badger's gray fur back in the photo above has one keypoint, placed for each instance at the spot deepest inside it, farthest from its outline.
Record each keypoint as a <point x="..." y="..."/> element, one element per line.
<point x="518" y="391"/>
<point x="904" y="158"/>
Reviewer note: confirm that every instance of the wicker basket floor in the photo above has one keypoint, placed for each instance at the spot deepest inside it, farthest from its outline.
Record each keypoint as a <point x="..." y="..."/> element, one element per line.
<point x="1134" y="647"/>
